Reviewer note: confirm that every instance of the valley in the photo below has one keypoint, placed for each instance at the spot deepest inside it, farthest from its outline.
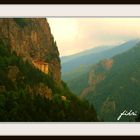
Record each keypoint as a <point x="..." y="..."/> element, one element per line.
<point x="111" y="85"/>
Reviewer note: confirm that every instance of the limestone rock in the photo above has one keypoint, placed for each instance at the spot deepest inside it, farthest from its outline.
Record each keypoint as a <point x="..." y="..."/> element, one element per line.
<point x="31" y="39"/>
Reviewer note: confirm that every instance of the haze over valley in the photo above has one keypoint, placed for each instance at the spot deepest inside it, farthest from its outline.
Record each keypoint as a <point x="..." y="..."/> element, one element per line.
<point x="100" y="62"/>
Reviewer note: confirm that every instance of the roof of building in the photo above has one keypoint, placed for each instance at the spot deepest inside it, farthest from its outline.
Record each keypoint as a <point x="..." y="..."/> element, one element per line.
<point x="40" y="62"/>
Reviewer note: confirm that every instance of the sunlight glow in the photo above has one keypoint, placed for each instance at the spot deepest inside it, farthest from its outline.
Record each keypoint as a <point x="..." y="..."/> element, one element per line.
<point x="78" y="34"/>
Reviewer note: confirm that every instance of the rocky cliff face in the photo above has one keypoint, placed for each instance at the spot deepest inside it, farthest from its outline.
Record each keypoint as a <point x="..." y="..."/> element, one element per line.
<point x="29" y="94"/>
<point x="96" y="75"/>
<point x="31" y="39"/>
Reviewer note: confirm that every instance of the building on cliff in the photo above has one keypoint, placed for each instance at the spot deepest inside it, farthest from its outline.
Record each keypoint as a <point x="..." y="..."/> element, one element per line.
<point x="42" y="66"/>
<point x="31" y="39"/>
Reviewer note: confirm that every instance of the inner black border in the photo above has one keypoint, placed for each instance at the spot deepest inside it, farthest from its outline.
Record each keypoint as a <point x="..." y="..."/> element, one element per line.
<point x="69" y="2"/>
<point x="68" y="137"/>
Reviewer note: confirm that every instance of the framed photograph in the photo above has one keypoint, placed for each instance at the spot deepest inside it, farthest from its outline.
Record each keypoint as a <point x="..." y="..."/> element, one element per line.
<point x="69" y="69"/>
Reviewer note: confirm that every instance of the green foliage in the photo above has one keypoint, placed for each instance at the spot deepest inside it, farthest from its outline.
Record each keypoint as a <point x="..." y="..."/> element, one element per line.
<point x="119" y="88"/>
<point x="18" y="104"/>
<point x="121" y="85"/>
<point x="138" y="118"/>
<point x="54" y="52"/>
<point x="21" y="106"/>
<point x="21" y="21"/>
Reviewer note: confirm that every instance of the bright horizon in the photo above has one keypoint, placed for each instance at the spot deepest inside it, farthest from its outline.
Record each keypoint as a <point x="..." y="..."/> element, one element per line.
<point x="74" y="35"/>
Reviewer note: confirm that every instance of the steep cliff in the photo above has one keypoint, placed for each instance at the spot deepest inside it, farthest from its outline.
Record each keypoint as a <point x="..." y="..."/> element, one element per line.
<point x="31" y="39"/>
<point x="30" y="76"/>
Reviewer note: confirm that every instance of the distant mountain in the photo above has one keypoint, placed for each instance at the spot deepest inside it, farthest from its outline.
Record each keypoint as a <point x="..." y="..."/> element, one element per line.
<point x="66" y="59"/>
<point x="80" y="64"/>
<point x="112" y="85"/>
<point x="92" y="56"/>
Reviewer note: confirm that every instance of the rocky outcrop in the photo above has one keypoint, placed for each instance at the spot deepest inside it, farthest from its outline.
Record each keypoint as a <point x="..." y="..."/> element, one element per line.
<point x="43" y="66"/>
<point x="95" y="77"/>
<point x="32" y="40"/>
<point x="91" y="86"/>
<point x="93" y="80"/>
<point x="107" y="63"/>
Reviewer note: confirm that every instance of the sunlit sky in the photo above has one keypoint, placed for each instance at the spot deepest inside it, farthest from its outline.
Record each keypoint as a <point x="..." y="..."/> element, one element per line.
<point x="74" y="35"/>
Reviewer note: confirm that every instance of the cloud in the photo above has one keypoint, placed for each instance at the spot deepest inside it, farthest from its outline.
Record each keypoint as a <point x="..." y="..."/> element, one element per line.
<point x="85" y="33"/>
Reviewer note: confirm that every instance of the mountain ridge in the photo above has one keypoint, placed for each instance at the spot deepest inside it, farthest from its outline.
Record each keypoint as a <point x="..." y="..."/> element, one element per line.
<point x="113" y="85"/>
<point x="96" y="56"/>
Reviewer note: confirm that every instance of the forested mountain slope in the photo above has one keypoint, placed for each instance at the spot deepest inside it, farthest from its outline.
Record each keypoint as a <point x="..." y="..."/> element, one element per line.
<point x="31" y="88"/>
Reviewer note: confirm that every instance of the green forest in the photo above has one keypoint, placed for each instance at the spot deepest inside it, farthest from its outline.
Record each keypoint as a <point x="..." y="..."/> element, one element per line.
<point x="17" y="103"/>
<point x="113" y="89"/>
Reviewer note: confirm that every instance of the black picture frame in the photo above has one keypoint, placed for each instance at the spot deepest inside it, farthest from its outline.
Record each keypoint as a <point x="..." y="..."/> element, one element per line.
<point x="69" y="2"/>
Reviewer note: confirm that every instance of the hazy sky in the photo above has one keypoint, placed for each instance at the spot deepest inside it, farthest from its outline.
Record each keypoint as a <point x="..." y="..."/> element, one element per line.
<point x="78" y="34"/>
